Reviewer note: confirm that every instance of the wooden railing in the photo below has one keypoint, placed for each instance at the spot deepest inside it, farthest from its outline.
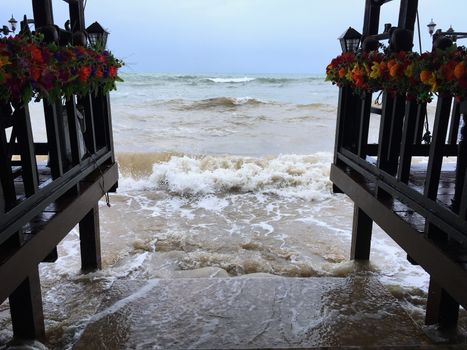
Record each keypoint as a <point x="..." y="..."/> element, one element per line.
<point x="422" y="207"/>
<point x="79" y="141"/>
<point x="387" y="164"/>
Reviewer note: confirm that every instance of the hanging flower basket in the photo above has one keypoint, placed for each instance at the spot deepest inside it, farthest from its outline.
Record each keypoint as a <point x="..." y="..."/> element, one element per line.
<point x="31" y="69"/>
<point x="442" y="72"/>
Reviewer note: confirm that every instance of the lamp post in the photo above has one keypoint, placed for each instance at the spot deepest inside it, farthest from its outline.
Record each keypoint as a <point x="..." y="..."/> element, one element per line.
<point x="97" y="35"/>
<point x="450" y="33"/>
<point x="5" y="30"/>
<point x="350" y="40"/>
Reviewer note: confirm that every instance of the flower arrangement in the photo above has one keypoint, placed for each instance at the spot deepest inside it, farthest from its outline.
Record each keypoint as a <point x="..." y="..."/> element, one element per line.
<point x="29" y="69"/>
<point x="407" y="73"/>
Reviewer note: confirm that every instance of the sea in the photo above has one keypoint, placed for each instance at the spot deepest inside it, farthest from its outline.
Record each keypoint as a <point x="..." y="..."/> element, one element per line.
<point x="221" y="175"/>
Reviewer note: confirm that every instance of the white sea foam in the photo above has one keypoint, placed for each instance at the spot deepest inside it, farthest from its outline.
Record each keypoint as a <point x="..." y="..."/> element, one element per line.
<point x="302" y="176"/>
<point x="231" y="80"/>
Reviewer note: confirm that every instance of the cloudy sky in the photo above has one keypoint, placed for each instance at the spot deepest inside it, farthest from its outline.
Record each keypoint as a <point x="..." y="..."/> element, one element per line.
<point x="234" y="36"/>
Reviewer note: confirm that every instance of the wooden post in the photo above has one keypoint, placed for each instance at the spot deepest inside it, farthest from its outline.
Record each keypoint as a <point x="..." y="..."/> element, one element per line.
<point x="408" y="14"/>
<point x="441" y="308"/>
<point x="371" y="19"/>
<point x="26" y="144"/>
<point x="362" y="147"/>
<point x="395" y="134"/>
<point x="435" y="160"/>
<point x="408" y="133"/>
<point x="461" y="173"/>
<point x="89" y="233"/>
<point x="43" y="14"/>
<point x="77" y="15"/>
<point x="6" y="176"/>
<point x="54" y="140"/>
<point x="454" y="126"/>
<point x="361" y="235"/>
<point x="73" y="130"/>
<point x="26" y="308"/>
<point x="420" y="123"/>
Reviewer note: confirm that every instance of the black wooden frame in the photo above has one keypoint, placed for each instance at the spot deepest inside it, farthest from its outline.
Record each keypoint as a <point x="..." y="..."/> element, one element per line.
<point x="39" y="208"/>
<point x="377" y="177"/>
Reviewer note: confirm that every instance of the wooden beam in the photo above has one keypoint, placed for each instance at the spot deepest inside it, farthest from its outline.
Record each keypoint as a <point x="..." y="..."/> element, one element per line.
<point x="73" y="131"/>
<point x="77" y="15"/>
<point x="362" y="147"/>
<point x="408" y="132"/>
<point x="395" y="134"/>
<point x="420" y="124"/>
<point x="430" y="257"/>
<point x="408" y="14"/>
<point x="43" y="13"/>
<point x="441" y="308"/>
<point x="26" y="142"/>
<point x="25" y="259"/>
<point x="454" y="125"/>
<point x="89" y="234"/>
<point x="435" y="160"/>
<point x="342" y="107"/>
<point x="361" y="235"/>
<point x="54" y="139"/>
<point x="27" y="315"/>
<point x="371" y="17"/>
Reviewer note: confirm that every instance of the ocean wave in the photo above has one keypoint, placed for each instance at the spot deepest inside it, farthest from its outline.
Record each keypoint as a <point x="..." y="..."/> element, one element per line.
<point x="303" y="176"/>
<point x="230" y="80"/>
<point x="229" y="102"/>
<point x="142" y="79"/>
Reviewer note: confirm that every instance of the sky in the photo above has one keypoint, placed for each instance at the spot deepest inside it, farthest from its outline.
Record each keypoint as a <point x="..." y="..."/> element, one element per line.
<point x="234" y="36"/>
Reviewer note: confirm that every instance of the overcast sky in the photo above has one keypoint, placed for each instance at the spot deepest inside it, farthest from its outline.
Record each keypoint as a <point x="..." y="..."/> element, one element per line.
<point x="234" y="36"/>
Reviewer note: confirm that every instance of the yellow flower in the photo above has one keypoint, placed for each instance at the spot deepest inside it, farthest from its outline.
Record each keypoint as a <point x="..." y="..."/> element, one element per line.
<point x="375" y="71"/>
<point x="409" y="70"/>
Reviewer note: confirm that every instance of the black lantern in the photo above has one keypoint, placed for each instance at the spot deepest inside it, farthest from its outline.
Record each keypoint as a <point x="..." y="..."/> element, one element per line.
<point x="13" y="23"/>
<point x="350" y="40"/>
<point x="451" y="33"/>
<point x="97" y="35"/>
<point x="431" y="27"/>
<point x="5" y="30"/>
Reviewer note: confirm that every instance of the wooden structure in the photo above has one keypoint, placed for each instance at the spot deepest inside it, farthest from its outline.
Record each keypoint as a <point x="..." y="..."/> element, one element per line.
<point x="41" y="202"/>
<point x="421" y="205"/>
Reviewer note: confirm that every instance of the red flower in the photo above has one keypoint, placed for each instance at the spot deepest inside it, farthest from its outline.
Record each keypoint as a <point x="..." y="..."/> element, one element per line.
<point x="35" y="73"/>
<point x="36" y="54"/>
<point x="99" y="73"/>
<point x="112" y="71"/>
<point x="84" y="73"/>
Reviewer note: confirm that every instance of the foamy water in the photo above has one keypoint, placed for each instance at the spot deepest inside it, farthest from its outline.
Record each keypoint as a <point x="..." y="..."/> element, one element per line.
<point x="220" y="176"/>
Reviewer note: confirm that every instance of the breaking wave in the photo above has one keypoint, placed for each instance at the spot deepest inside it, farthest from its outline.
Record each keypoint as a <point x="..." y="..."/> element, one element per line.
<point x="303" y="176"/>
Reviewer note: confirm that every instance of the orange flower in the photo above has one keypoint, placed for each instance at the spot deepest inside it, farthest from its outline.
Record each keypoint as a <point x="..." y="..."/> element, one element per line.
<point x="429" y="78"/>
<point x="459" y="71"/>
<point x="342" y="72"/>
<point x="394" y="70"/>
<point x="425" y="76"/>
<point x="358" y="76"/>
